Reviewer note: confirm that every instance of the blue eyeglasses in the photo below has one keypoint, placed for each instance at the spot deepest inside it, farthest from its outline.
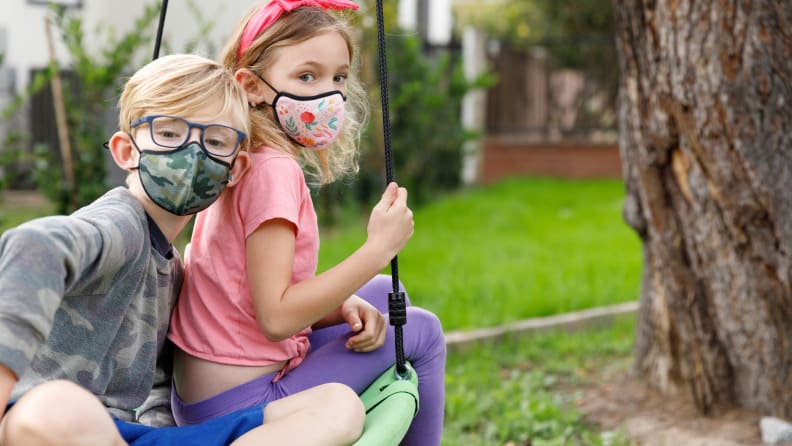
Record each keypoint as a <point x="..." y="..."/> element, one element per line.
<point x="172" y="131"/>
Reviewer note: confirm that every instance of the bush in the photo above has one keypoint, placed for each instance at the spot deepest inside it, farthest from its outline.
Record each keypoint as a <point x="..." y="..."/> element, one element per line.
<point x="427" y="137"/>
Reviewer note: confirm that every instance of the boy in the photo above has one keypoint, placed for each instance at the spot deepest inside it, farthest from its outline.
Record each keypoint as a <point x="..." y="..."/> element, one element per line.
<point x="85" y="299"/>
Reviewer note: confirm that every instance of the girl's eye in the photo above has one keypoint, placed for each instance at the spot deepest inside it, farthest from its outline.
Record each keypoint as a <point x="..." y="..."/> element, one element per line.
<point x="340" y="78"/>
<point x="307" y="77"/>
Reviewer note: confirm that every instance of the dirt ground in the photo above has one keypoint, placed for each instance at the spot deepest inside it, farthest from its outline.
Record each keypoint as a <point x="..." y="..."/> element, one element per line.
<point x="651" y="419"/>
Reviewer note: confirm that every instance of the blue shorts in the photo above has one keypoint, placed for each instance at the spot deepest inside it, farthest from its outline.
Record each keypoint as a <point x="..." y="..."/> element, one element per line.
<point x="215" y="432"/>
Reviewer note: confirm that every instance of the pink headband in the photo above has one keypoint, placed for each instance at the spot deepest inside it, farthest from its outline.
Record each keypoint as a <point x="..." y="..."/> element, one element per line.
<point x="267" y="15"/>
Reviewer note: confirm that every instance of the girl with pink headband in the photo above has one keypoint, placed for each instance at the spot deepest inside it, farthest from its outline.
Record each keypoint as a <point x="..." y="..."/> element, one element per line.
<point x="255" y="322"/>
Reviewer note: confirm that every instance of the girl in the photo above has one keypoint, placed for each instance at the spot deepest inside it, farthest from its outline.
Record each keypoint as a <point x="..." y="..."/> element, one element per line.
<point x="251" y="298"/>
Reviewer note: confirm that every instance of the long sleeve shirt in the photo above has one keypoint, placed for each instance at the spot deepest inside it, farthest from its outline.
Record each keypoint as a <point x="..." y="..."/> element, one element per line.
<point x="87" y="298"/>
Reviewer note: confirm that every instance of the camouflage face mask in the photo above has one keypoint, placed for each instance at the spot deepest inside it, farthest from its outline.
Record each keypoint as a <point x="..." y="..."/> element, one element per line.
<point x="184" y="180"/>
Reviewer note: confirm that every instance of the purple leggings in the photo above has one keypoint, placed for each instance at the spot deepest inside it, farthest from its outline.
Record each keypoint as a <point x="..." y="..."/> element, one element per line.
<point x="329" y="361"/>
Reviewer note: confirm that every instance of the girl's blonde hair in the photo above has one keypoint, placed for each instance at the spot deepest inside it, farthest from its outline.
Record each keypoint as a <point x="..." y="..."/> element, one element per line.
<point x="292" y="28"/>
<point x="183" y="85"/>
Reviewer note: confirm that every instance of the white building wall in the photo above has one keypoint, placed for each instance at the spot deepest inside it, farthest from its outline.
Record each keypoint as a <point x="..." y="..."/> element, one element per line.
<point x="440" y="19"/>
<point x="440" y="22"/>
<point x="408" y="14"/>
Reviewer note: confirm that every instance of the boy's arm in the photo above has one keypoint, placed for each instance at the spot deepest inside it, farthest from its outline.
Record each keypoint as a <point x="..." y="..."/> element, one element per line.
<point x="39" y="261"/>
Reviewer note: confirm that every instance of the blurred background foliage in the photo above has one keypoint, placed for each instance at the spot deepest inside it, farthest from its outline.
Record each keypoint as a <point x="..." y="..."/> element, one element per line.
<point x="426" y="89"/>
<point x="91" y="83"/>
<point x="565" y="28"/>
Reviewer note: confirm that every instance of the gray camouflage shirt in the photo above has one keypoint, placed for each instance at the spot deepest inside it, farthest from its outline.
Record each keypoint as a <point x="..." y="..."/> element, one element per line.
<point x="87" y="298"/>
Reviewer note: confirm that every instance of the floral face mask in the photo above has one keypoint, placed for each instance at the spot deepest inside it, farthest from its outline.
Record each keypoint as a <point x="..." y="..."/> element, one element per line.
<point x="313" y="122"/>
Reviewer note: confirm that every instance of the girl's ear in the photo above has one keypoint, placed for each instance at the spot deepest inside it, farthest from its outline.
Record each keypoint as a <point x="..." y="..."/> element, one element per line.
<point x="256" y="91"/>
<point x="123" y="151"/>
<point x="241" y="165"/>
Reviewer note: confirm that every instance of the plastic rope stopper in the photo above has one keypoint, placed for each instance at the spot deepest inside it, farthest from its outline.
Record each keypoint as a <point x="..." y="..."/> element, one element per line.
<point x="397" y="311"/>
<point x="397" y="315"/>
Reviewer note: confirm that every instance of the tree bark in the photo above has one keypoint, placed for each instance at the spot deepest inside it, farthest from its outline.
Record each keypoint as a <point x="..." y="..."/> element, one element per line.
<point x="706" y="144"/>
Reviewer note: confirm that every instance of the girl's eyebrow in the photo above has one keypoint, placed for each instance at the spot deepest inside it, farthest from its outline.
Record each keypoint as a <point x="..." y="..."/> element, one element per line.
<point x="315" y="65"/>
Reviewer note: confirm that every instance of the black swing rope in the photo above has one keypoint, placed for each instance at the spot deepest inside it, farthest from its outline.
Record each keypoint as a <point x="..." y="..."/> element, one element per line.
<point x="158" y="40"/>
<point x="397" y="308"/>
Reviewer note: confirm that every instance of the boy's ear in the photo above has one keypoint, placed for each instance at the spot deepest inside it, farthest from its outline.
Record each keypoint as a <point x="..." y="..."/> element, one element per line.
<point x="256" y="91"/>
<point x="241" y="165"/>
<point x="123" y="151"/>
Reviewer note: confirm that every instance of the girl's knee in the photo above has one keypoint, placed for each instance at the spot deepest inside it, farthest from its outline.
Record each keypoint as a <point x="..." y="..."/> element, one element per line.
<point x="425" y="319"/>
<point x="345" y="408"/>
<point x="428" y="330"/>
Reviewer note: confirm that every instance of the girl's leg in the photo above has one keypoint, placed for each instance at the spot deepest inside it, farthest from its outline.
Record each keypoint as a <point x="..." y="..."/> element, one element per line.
<point x="333" y="411"/>
<point x="424" y="346"/>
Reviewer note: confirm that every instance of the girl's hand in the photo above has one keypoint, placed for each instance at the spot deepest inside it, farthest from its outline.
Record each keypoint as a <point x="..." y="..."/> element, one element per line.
<point x="391" y="223"/>
<point x="369" y="324"/>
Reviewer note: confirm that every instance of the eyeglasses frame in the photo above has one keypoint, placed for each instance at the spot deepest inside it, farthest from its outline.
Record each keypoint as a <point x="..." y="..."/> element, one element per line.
<point x="148" y="119"/>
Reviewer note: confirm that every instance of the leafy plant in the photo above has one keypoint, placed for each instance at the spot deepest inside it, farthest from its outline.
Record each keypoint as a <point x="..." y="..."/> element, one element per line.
<point x="89" y="90"/>
<point x="576" y="34"/>
<point x="425" y="110"/>
<point x="425" y="95"/>
<point x="88" y="97"/>
<point x="427" y="136"/>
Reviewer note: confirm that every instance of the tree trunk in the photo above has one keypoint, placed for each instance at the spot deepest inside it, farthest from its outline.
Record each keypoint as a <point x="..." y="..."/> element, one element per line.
<point x="706" y="144"/>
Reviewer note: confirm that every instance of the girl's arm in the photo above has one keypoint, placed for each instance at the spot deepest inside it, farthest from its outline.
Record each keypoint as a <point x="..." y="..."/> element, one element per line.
<point x="283" y="309"/>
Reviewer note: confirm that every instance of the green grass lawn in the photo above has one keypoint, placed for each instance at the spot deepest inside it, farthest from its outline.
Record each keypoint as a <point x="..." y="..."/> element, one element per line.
<point x="524" y="247"/>
<point x="523" y="391"/>
<point x="18" y="208"/>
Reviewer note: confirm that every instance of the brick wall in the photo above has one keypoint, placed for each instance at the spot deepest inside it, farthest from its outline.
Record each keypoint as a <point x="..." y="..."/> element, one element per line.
<point x="509" y="156"/>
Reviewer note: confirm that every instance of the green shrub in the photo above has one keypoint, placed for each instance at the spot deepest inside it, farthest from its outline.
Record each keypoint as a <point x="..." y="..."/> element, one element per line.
<point x="427" y="137"/>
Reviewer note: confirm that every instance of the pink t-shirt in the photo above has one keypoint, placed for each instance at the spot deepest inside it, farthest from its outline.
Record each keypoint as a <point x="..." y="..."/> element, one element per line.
<point x="214" y="318"/>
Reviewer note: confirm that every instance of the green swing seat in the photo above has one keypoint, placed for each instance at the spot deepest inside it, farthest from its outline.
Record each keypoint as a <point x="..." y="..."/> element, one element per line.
<point x="391" y="403"/>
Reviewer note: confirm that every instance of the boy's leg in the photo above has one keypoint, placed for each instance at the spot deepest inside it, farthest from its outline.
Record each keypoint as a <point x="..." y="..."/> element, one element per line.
<point x="59" y="413"/>
<point x="330" y="414"/>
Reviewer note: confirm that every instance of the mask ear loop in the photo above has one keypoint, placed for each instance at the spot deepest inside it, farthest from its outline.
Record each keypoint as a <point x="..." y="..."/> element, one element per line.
<point x="277" y="93"/>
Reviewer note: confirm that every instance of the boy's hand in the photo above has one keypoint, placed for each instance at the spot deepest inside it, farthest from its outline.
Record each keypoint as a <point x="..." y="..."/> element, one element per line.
<point x="369" y="324"/>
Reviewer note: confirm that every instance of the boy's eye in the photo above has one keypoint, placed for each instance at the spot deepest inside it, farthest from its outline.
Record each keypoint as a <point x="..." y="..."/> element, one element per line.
<point x="214" y="142"/>
<point x="169" y="134"/>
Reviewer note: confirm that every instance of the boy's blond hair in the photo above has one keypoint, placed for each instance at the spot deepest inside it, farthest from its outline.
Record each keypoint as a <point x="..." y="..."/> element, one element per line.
<point x="183" y="85"/>
<point x="292" y="28"/>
